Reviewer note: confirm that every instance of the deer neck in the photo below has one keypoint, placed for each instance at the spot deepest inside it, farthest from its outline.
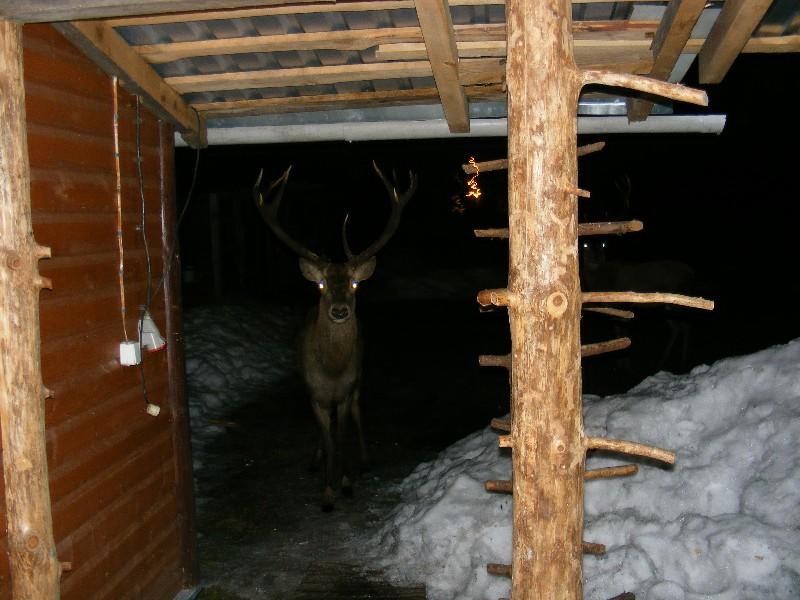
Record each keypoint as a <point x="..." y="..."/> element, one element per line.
<point x="334" y="343"/>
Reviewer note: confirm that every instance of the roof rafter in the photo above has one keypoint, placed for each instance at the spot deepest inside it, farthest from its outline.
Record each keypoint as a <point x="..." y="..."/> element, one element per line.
<point x="243" y="108"/>
<point x="109" y="51"/>
<point x="676" y="26"/>
<point x="440" y="41"/>
<point x="730" y="33"/>
<point x="473" y="72"/>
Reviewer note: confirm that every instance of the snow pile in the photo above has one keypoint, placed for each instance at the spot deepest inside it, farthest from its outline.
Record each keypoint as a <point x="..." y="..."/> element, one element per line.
<point x="723" y="523"/>
<point x="232" y="353"/>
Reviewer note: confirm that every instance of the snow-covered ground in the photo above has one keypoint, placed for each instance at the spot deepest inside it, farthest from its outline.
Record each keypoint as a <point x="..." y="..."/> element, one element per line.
<point x="723" y="523"/>
<point x="233" y="352"/>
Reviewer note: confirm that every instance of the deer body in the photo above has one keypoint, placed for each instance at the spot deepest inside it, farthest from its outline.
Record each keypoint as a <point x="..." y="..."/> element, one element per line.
<point x="331" y="349"/>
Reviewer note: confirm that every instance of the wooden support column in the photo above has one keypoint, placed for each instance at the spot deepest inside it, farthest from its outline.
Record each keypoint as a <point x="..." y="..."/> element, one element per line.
<point x="35" y="569"/>
<point x="545" y="300"/>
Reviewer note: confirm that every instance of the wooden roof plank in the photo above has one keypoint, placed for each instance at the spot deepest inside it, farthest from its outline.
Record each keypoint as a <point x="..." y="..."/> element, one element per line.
<point x="107" y="49"/>
<point x="440" y="41"/>
<point x="36" y="11"/>
<point x="361" y="39"/>
<point x="243" y="108"/>
<point x="630" y="56"/>
<point x="729" y="35"/>
<point x="676" y="26"/>
<point x="310" y="6"/>
<point x="349" y="39"/>
<point x="473" y="72"/>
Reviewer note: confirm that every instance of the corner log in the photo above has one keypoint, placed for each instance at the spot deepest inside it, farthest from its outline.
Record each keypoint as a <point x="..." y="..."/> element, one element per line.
<point x="548" y="459"/>
<point x="35" y="569"/>
<point x="543" y="294"/>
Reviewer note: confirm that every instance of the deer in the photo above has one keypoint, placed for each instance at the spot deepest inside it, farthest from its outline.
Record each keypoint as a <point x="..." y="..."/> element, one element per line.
<point x="331" y="343"/>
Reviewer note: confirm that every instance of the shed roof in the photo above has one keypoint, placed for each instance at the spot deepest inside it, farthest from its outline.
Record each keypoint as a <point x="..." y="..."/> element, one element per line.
<point x="322" y="62"/>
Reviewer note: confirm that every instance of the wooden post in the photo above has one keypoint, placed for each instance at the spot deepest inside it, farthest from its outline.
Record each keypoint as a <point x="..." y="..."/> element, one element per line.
<point x="176" y="365"/>
<point x="544" y="311"/>
<point x="35" y="569"/>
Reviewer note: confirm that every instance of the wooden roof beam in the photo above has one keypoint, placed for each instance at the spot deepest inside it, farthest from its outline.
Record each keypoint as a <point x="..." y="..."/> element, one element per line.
<point x="36" y="11"/>
<point x="676" y="26"/>
<point x="733" y="28"/>
<point x="243" y="108"/>
<point x="113" y="54"/>
<point x="440" y="42"/>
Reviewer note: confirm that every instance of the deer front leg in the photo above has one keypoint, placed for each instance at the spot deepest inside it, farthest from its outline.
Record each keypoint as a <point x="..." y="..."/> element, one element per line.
<point x="342" y="418"/>
<point x="324" y="420"/>
<point x="355" y="410"/>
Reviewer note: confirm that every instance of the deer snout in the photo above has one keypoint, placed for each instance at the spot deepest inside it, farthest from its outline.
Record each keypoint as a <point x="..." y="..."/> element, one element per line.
<point x="339" y="312"/>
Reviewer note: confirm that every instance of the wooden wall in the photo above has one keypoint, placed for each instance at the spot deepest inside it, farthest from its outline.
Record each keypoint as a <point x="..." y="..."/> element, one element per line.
<point x="117" y="475"/>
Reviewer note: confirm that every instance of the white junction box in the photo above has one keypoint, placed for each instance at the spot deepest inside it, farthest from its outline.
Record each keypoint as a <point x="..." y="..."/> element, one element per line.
<point x="129" y="354"/>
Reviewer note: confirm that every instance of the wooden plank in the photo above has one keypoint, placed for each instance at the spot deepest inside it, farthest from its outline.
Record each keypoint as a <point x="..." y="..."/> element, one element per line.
<point x="349" y="39"/>
<point x="176" y="365"/>
<point x="35" y="569"/>
<point x="360" y="39"/>
<point x="240" y="108"/>
<point x="676" y="26"/>
<point x="299" y="76"/>
<point x="311" y="7"/>
<point x="36" y="11"/>
<point x="628" y="56"/>
<point x="733" y="27"/>
<point x="113" y="54"/>
<point x="440" y="42"/>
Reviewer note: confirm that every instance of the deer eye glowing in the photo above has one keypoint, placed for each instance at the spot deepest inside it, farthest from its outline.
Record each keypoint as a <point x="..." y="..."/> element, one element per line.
<point x="354" y="284"/>
<point x="321" y="285"/>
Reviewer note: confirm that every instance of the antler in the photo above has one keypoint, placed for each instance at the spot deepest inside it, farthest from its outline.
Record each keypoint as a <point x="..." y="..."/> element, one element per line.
<point x="269" y="212"/>
<point x="399" y="202"/>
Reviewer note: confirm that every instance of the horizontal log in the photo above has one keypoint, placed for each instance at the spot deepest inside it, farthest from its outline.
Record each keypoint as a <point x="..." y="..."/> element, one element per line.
<point x="608" y="472"/>
<point x="505" y="486"/>
<point x="495" y="297"/>
<point x="613" y="312"/>
<point x="646" y="85"/>
<point x="500" y="424"/>
<point x="633" y="448"/>
<point x="495" y="360"/>
<point x="601" y="228"/>
<point x="501" y="164"/>
<point x="603" y="347"/>
<point x="498" y="569"/>
<point x="576" y="191"/>
<point x="648" y="298"/>
<point x="593" y="548"/>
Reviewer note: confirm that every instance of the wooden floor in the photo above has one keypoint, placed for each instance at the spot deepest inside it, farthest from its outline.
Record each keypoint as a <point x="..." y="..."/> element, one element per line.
<point x="336" y="581"/>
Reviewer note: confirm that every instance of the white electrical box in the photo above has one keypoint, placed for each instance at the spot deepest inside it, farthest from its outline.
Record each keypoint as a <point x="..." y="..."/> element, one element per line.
<point x="129" y="354"/>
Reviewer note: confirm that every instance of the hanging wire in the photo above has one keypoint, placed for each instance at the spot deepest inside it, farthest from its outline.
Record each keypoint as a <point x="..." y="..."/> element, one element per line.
<point x="118" y="194"/>
<point x="143" y="226"/>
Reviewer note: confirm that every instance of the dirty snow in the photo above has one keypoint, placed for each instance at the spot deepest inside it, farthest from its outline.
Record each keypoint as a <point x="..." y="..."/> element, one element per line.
<point x="723" y="523"/>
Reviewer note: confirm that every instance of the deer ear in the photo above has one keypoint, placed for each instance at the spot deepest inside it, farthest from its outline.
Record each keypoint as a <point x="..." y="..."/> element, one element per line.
<point x="364" y="270"/>
<point x="311" y="271"/>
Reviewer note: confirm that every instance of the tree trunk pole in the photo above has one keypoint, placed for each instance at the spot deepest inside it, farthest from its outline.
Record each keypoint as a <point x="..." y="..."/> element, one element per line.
<point x="544" y="312"/>
<point x="35" y="569"/>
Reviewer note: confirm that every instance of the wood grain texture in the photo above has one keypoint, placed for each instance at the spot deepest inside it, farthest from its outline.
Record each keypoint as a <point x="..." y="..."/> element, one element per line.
<point x="733" y="27"/>
<point x="546" y="428"/>
<point x="440" y="43"/>
<point x="35" y="569"/>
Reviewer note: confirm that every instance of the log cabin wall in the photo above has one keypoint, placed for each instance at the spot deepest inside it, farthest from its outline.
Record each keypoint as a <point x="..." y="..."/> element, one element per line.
<point x="121" y="513"/>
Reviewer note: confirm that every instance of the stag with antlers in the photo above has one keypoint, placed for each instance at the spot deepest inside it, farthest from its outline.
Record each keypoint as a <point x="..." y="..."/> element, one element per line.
<point x="331" y="347"/>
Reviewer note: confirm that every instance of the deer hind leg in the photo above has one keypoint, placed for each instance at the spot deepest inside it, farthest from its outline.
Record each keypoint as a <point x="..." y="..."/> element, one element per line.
<point x="324" y="420"/>
<point x="342" y="418"/>
<point x="355" y="410"/>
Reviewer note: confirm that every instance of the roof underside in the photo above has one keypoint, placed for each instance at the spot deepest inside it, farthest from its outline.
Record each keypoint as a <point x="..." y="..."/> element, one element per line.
<point x="327" y="62"/>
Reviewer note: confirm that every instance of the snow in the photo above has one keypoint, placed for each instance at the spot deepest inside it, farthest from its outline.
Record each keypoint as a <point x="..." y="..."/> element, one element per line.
<point x="722" y="524"/>
<point x="233" y="354"/>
